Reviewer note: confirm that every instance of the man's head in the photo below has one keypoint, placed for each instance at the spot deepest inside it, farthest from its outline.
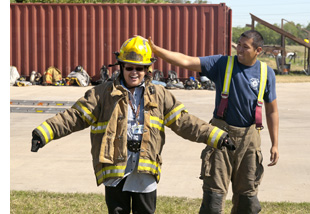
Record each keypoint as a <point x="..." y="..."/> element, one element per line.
<point x="249" y="46"/>
<point x="135" y="60"/>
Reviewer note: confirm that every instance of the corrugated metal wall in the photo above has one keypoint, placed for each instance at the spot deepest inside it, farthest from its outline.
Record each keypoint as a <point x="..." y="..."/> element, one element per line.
<point x="67" y="35"/>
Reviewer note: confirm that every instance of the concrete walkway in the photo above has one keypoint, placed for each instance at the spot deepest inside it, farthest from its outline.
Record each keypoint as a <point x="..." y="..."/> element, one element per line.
<point x="65" y="165"/>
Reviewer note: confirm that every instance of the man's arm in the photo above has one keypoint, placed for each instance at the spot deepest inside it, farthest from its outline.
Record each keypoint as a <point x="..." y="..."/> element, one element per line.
<point x="175" y="58"/>
<point x="272" y="117"/>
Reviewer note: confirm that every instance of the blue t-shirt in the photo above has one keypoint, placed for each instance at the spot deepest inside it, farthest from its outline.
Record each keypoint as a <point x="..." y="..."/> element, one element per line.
<point x="244" y="88"/>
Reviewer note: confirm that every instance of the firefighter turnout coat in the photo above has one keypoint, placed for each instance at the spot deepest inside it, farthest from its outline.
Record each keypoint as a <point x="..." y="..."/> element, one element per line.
<point x="104" y="108"/>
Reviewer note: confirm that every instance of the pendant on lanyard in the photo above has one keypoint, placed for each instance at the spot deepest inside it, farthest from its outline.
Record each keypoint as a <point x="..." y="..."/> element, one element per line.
<point x="137" y="128"/>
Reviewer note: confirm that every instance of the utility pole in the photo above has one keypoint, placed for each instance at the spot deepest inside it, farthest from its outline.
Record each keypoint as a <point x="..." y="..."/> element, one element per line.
<point x="307" y="59"/>
<point x="283" y="52"/>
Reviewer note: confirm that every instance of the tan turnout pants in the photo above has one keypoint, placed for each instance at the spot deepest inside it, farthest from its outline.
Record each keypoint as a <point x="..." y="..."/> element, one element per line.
<point x="243" y="167"/>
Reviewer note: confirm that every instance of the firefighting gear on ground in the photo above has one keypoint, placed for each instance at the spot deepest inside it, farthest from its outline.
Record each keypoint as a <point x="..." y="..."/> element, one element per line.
<point x="79" y="77"/>
<point x="135" y="50"/>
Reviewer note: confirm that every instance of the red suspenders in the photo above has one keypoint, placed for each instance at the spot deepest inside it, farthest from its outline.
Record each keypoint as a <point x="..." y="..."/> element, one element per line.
<point x="226" y="86"/>
<point x="225" y="92"/>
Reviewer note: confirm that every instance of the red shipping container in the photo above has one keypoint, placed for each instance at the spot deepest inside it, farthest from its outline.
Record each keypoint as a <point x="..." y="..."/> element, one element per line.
<point x="67" y="35"/>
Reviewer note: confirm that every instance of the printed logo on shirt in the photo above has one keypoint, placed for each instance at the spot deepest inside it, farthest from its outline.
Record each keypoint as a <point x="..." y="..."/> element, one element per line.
<point x="254" y="83"/>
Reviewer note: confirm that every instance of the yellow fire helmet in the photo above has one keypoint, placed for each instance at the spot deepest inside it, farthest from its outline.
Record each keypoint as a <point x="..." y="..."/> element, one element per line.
<point x="137" y="51"/>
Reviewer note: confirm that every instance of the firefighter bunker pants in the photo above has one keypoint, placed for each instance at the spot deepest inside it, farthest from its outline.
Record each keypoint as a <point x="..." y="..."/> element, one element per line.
<point x="243" y="167"/>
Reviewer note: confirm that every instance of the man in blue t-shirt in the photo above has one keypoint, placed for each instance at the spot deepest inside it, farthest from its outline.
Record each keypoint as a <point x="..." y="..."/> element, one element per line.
<point x="243" y="167"/>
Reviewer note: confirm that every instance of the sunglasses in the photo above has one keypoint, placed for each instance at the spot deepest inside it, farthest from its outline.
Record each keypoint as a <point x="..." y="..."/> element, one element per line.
<point x="132" y="68"/>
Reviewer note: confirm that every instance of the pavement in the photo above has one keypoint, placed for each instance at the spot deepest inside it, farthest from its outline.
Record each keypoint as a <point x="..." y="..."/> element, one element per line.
<point x="65" y="165"/>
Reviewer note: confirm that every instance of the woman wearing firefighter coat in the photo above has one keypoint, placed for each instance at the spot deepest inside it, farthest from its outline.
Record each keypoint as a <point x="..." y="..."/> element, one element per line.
<point x="105" y="110"/>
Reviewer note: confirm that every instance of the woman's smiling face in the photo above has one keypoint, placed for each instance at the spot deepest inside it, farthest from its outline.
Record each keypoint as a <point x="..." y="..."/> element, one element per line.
<point x="134" y="74"/>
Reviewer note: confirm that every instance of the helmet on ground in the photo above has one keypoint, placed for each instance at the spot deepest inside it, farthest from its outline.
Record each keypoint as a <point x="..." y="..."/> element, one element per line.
<point x="137" y="51"/>
<point x="78" y="68"/>
<point x="204" y="79"/>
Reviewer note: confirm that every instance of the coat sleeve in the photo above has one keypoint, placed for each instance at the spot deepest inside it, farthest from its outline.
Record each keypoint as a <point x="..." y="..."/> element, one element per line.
<point x="189" y="126"/>
<point x="81" y="115"/>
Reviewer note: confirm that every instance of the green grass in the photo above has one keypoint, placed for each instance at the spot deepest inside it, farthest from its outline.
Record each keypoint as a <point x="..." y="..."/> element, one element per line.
<point x="30" y="202"/>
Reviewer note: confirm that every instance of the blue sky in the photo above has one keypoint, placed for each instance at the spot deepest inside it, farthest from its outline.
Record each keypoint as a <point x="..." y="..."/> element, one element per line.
<point x="271" y="11"/>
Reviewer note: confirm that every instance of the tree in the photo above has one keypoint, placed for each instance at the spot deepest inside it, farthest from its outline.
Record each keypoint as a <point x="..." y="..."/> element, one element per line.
<point x="237" y="31"/>
<point x="308" y="27"/>
<point x="271" y="37"/>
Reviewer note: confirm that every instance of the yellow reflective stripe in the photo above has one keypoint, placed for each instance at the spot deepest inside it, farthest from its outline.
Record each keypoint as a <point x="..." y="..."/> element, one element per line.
<point x="108" y="168"/>
<point x="157" y="123"/>
<point x="147" y="168"/>
<point x="49" y="130"/>
<point x="46" y="131"/>
<point x="263" y="81"/>
<point x="100" y="180"/>
<point x="158" y="127"/>
<point x="120" y="174"/>
<point x="148" y="162"/>
<point x="217" y="138"/>
<point x="87" y="115"/>
<point x="228" y="73"/>
<point x="174" y="114"/>
<point x="99" y="127"/>
<point x="214" y="137"/>
<point x="97" y="131"/>
<point x="110" y="171"/>
<point x="149" y="165"/>
<point x="43" y="133"/>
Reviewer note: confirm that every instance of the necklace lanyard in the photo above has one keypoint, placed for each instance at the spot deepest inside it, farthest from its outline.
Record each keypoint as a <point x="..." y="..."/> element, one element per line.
<point x="136" y="113"/>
